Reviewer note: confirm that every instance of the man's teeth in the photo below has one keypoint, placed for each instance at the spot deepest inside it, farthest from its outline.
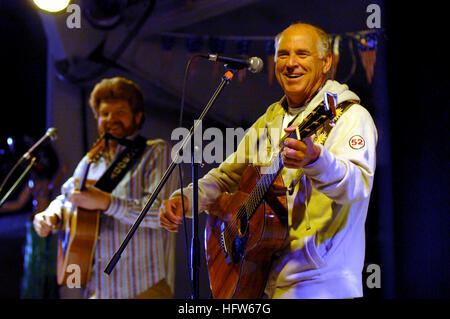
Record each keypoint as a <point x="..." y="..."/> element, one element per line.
<point x="293" y="76"/>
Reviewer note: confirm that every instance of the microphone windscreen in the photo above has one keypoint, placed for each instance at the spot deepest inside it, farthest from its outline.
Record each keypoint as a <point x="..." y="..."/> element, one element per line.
<point x="52" y="133"/>
<point x="256" y="64"/>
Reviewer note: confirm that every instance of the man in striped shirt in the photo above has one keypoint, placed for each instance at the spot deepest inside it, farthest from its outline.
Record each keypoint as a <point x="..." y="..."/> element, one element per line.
<point x="146" y="267"/>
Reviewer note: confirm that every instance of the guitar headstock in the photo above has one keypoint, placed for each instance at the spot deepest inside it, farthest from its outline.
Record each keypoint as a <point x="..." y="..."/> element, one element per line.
<point x="325" y="111"/>
<point x="330" y="102"/>
<point x="97" y="149"/>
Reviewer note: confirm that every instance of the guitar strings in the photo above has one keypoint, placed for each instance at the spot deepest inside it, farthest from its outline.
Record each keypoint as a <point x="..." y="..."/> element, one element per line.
<point x="254" y="199"/>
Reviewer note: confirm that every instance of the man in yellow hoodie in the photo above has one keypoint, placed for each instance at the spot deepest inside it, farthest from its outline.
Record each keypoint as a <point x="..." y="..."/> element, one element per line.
<point x="332" y="178"/>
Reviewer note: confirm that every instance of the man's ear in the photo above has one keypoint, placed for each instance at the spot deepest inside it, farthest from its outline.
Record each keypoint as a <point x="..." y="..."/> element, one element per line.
<point x="328" y="59"/>
<point x="139" y="118"/>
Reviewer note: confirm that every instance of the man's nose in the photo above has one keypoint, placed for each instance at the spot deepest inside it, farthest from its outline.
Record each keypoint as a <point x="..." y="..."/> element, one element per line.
<point x="292" y="61"/>
<point x="109" y="118"/>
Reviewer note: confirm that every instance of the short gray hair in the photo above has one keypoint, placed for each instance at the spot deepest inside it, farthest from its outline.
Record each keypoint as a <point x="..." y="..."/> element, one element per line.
<point x="323" y="45"/>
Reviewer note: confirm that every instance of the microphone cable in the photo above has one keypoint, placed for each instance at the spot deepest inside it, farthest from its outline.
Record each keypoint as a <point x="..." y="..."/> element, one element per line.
<point x="183" y="94"/>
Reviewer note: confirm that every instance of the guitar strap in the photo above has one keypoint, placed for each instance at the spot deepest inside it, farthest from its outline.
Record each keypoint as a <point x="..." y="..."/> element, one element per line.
<point x="322" y="134"/>
<point x="126" y="159"/>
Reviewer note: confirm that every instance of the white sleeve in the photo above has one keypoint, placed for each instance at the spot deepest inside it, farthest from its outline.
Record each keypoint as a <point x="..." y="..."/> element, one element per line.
<point x="345" y="169"/>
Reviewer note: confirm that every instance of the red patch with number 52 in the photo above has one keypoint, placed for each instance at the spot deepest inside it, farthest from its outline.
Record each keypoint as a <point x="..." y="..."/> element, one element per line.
<point x="356" y="142"/>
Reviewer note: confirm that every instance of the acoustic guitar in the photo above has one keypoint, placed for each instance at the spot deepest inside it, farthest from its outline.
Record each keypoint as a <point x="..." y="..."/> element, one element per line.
<point x="78" y="236"/>
<point x="245" y="229"/>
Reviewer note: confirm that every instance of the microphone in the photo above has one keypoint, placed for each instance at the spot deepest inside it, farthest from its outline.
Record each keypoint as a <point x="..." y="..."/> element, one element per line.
<point x="253" y="64"/>
<point x="51" y="133"/>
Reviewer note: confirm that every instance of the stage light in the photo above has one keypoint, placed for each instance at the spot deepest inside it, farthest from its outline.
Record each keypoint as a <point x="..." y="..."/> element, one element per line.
<point x="52" y="5"/>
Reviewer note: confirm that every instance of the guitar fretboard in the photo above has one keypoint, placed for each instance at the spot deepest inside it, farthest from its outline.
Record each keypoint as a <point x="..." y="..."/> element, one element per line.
<point x="259" y="191"/>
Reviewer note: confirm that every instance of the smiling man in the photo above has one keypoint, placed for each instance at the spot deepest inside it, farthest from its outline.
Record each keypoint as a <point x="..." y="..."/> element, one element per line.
<point x="302" y="62"/>
<point x="146" y="269"/>
<point x="328" y="176"/>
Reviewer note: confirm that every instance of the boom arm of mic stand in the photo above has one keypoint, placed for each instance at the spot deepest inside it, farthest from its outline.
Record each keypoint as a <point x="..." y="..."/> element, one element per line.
<point x="112" y="263"/>
<point x="33" y="159"/>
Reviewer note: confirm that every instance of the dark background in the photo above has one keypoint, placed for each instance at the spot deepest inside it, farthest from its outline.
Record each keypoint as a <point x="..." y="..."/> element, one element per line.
<point x="408" y="223"/>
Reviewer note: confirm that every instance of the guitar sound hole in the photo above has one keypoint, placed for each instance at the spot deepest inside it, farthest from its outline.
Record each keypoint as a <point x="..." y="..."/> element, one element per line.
<point x="64" y="234"/>
<point x="239" y="245"/>
<point x="240" y="242"/>
<point x="64" y="238"/>
<point x="243" y="223"/>
<point x="233" y="240"/>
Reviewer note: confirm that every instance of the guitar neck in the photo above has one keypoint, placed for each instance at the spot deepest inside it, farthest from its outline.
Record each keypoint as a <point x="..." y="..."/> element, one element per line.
<point x="256" y="196"/>
<point x="92" y="156"/>
<point x="308" y="126"/>
<point x="84" y="176"/>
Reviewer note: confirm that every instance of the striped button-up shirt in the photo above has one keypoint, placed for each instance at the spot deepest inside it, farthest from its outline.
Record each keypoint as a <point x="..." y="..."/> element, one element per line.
<point x="150" y="255"/>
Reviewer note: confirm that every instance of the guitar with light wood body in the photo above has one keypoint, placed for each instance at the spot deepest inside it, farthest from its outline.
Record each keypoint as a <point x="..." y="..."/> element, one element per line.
<point x="244" y="230"/>
<point x="78" y="236"/>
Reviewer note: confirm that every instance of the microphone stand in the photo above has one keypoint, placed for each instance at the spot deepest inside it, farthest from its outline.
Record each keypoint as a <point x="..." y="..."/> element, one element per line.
<point x="195" y="244"/>
<point x="195" y="241"/>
